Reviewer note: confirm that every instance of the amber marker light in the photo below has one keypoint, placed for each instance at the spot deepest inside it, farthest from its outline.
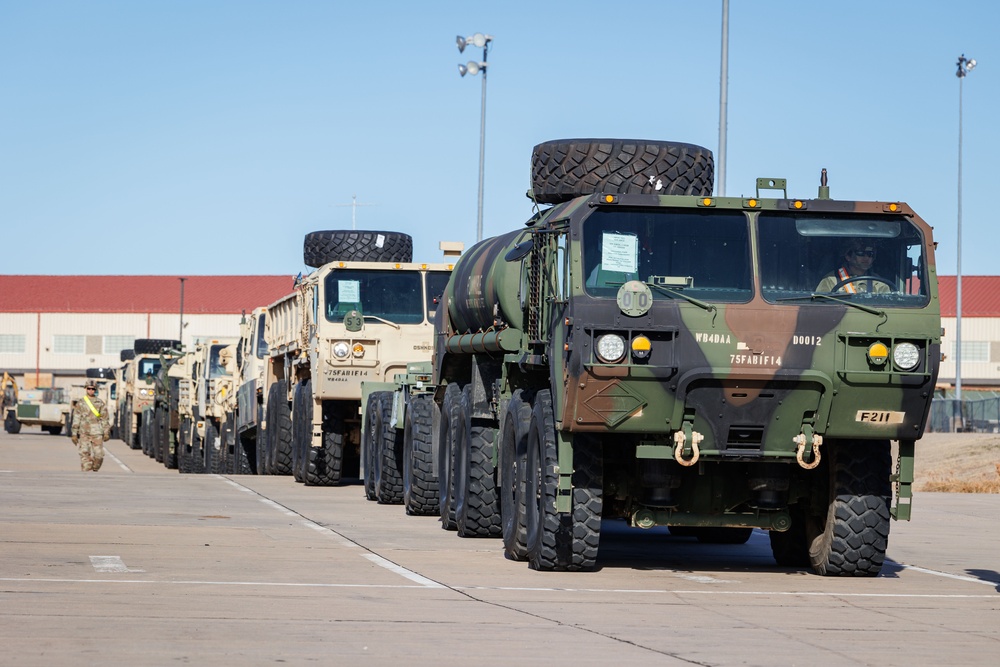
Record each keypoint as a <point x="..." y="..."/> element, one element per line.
<point x="878" y="353"/>
<point x="797" y="204"/>
<point x="359" y="350"/>
<point x="641" y="347"/>
<point x="752" y="203"/>
<point x="706" y="201"/>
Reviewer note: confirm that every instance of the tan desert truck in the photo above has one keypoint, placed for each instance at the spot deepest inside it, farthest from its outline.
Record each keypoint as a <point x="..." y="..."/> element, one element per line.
<point x="203" y="395"/>
<point x="47" y="407"/>
<point x="137" y="388"/>
<point x="361" y="316"/>
<point x="242" y="429"/>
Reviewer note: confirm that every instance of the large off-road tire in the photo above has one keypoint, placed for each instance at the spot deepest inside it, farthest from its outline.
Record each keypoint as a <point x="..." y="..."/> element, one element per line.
<point x="567" y="168"/>
<point x="510" y="478"/>
<point x="323" y="247"/>
<point x="302" y="416"/>
<point x="279" y="430"/>
<point x="245" y="453"/>
<point x="420" y="487"/>
<point x="159" y="432"/>
<point x="570" y="540"/>
<point x="325" y="466"/>
<point x="370" y="438"/>
<point x="450" y="436"/>
<point x="55" y="429"/>
<point x="477" y="510"/>
<point x="388" y="456"/>
<point x="856" y="532"/>
<point x="197" y="449"/>
<point x="185" y="455"/>
<point x="154" y="345"/>
<point x="212" y="446"/>
<point x="260" y="445"/>
<point x="10" y="423"/>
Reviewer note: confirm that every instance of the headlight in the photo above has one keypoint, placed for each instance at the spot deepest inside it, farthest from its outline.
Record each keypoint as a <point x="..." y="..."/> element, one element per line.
<point x="341" y="350"/>
<point x="906" y="356"/>
<point x="610" y="348"/>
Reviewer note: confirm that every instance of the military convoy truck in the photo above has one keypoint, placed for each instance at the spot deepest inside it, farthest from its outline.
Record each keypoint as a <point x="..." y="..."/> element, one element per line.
<point x="45" y="407"/>
<point x="136" y="390"/>
<point x="645" y="351"/>
<point x="244" y="437"/>
<point x="362" y="315"/>
<point x="203" y="396"/>
<point x="160" y="419"/>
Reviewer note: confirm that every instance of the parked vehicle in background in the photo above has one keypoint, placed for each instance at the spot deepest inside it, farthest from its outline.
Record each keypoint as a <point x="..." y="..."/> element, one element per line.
<point x="243" y="438"/>
<point x="136" y="389"/>
<point x="203" y="396"/>
<point x="46" y="407"/>
<point x="362" y="315"/>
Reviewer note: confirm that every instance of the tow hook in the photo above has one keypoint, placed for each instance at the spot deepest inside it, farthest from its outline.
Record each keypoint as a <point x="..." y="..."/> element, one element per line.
<point x="811" y="459"/>
<point x="685" y="454"/>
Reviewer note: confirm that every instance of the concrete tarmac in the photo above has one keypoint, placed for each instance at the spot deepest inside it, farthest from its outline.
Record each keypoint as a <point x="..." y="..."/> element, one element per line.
<point x="139" y="565"/>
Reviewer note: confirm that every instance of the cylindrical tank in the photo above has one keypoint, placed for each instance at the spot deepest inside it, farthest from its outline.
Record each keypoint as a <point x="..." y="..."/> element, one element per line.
<point x="483" y="287"/>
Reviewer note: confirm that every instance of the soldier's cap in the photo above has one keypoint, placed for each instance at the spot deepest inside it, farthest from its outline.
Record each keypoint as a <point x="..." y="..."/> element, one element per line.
<point x="91" y="384"/>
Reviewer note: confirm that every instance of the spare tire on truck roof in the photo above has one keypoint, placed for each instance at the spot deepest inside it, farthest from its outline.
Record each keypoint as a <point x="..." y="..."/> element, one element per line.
<point x="154" y="345"/>
<point x="563" y="169"/>
<point x="323" y="247"/>
<point x="102" y="373"/>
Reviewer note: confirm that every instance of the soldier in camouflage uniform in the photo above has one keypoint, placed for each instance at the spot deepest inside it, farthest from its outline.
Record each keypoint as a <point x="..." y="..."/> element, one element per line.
<point x="91" y="428"/>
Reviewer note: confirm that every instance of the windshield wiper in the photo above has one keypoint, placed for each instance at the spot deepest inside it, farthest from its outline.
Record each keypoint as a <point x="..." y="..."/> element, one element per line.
<point x="376" y="317"/>
<point x="689" y="299"/>
<point x="821" y="295"/>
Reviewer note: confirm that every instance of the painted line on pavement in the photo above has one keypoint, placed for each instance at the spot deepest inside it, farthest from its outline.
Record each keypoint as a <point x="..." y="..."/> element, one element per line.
<point x="110" y="564"/>
<point x="107" y="452"/>
<point x="632" y="591"/>
<point x="948" y="575"/>
<point x="403" y="572"/>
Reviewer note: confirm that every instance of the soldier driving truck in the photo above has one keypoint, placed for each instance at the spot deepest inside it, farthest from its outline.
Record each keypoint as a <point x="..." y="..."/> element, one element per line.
<point x="642" y="350"/>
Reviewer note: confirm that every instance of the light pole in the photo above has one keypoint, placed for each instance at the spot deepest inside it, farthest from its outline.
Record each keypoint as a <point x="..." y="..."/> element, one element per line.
<point x="723" y="99"/>
<point x="180" y="334"/>
<point x="472" y="67"/>
<point x="964" y="67"/>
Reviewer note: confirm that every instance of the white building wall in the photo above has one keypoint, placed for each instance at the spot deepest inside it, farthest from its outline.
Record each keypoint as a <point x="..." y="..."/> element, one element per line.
<point x="981" y="351"/>
<point x="66" y="344"/>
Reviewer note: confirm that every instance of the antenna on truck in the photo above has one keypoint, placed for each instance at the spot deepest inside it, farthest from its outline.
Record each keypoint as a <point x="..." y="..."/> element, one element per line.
<point x="354" y="210"/>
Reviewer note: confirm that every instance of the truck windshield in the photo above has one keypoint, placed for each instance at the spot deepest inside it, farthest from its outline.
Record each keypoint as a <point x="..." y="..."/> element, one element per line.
<point x="705" y="254"/>
<point x="436" y="282"/>
<point x="396" y="296"/>
<point x="147" y="368"/>
<point x="215" y="367"/>
<point x="261" y="350"/>
<point x="874" y="259"/>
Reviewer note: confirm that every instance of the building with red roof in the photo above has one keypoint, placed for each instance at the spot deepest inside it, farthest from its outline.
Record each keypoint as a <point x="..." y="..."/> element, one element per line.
<point x="66" y="324"/>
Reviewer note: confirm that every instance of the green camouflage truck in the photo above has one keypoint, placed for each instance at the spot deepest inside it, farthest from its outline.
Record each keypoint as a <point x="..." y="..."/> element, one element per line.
<point x="642" y="350"/>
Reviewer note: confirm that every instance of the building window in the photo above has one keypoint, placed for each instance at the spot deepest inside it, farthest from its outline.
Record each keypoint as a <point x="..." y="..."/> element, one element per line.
<point x="11" y="343"/>
<point x="69" y="344"/>
<point x="115" y="344"/>
<point x="973" y="350"/>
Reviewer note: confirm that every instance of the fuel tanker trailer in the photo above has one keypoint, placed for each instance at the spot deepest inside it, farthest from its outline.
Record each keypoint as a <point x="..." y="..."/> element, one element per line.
<point x="643" y="350"/>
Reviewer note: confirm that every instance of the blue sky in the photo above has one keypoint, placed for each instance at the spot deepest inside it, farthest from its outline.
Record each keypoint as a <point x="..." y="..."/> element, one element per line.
<point x="187" y="137"/>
